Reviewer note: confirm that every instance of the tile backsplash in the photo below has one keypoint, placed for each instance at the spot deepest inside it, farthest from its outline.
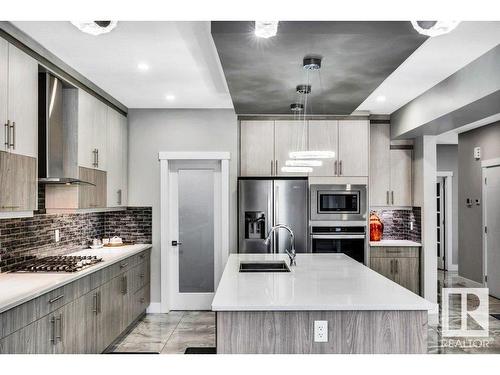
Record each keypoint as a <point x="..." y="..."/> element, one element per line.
<point x="397" y="223"/>
<point x="23" y="238"/>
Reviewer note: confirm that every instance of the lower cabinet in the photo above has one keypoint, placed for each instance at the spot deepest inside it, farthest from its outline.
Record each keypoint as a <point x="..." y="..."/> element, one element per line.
<point x="399" y="264"/>
<point x="91" y="322"/>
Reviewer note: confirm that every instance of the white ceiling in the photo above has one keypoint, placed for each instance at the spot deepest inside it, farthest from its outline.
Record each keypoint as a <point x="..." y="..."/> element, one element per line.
<point x="436" y="59"/>
<point x="182" y="58"/>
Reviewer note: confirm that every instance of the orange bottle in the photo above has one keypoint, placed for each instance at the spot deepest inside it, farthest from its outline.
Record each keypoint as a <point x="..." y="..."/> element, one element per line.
<point x="376" y="227"/>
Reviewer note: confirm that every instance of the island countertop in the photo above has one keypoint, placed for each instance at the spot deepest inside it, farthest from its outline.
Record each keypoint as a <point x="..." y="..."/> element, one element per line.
<point x="319" y="282"/>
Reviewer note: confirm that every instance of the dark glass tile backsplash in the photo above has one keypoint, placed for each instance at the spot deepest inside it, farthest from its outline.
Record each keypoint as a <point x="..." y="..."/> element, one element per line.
<point x="397" y="224"/>
<point x="23" y="238"/>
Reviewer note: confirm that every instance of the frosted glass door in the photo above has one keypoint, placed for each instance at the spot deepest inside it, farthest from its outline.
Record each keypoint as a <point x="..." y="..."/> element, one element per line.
<point x="196" y="231"/>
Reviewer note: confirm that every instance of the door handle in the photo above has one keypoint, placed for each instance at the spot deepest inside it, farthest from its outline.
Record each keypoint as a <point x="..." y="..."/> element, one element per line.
<point x="272" y="172"/>
<point x="335" y="168"/>
<point x="387" y="196"/>
<point x="392" y="196"/>
<point x="276" y="171"/>
<point x="176" y="243"/>
<point x="396" y="271"/>
<point x="340" y="168"/>
<point x="56" y="298"/>
<point x="99" y="302"/>
<point x="119" y="196"/>
<point x="13" y="143"/>
<point x="94" y="309"/>
<point x="7" y="134"/>
<point x="97" y="155"/>
<point x="59" y="320"/>
<point x="392" y="266"/>
<point x="53" y="330"/>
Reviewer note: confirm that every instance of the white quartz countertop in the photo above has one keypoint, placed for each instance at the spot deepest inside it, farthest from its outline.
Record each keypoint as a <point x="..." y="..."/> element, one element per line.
<point x="395" y="243"/>
<point x="318" y="282"/>
<point x="17" y="288"/>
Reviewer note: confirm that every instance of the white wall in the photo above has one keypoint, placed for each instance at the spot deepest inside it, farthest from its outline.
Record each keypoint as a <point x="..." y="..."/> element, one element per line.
<point x="424" y="183"/>
<point x="155" y="130"/>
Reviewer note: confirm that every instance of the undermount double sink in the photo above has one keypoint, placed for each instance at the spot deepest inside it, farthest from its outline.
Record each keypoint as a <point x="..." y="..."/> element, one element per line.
<point x="264" y="266"/>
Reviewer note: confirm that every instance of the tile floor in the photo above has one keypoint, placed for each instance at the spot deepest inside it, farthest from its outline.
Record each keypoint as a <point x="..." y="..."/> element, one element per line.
<point x="174" y="332"/>
<point x="170" y="333"/>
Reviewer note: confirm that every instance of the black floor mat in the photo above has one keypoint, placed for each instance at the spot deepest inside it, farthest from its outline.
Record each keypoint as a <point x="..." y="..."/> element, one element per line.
<point x="200" y="350"/>
<point x="496" y="316"/>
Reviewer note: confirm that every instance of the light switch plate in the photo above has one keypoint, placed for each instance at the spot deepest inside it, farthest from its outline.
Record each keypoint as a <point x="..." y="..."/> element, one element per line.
<point x="477" y="153"/>
<point x="321" y="331"/>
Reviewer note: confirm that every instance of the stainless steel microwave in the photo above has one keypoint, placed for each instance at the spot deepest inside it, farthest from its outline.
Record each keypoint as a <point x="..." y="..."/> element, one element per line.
<point x="344" y="202"/>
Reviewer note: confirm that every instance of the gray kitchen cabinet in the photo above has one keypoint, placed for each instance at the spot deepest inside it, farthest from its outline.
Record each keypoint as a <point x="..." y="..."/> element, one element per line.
<point x="79" y="317"/>
<point x="92" y="196"/>
<point x="390" y="170"/>
<point x="92" y="131"/>
<point x="399" y="264"/>
<point x="323" y="136"/>
<point x="257" y="148"/>
<point x="117" y="158"/>
<point x="353" y="148"/>
<point x="17" y="182"/>
<point x="380" y="164"/>
<point x="401" y="181"/>
<point x="4" y="74"/>
<point x="289" y="136"/>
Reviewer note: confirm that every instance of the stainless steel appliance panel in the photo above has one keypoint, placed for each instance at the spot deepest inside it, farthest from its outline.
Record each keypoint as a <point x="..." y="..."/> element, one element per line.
<point x="290" y="208"/>
<point x="255" y="215"/>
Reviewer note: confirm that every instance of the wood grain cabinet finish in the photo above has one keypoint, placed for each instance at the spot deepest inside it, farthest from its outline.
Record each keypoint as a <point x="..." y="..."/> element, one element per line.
<point x="92" y="196"/>
<point x="399" y="264"/>
<point x="116" y="159"/>
<point x="390" y="170"/>
<point x="85" y="316"/>
<point x="18" y="182"/>
<point x="4" y="89"/>
<point x="257" y="148"/>
<point x="289" y="136"/>
<point x="323" y="136"/>
<point x="353" y="148"/>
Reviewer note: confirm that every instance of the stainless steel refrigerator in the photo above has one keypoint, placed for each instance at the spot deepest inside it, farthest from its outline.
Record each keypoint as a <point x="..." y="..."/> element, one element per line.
<point x="264" y="202"/>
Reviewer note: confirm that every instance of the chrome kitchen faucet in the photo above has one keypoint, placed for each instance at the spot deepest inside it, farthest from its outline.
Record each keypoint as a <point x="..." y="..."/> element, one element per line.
<point x="291" y="254"/>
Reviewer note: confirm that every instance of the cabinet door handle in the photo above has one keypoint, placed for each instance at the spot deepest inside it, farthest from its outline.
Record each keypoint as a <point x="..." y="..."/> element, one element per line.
<point x="392" y="266"/>
<point x="142" y="256"/>
<point x="276" y="171"/>
<point x="142" y="300"/>
<point x="53" y="330"/>
<point x="56" y="298"/>
<point x="99" y="302"/>
<point x="387" y="197"/>
<point x="272" y="168"/>
<point x="335" y="168"/>
<point x="124" y="285"/>
<point x="123" y="265"/>
<point x="59" y="334"/>
<point x="392" y="196"/>
<point x="7" y="134"/>
<point x="13" y="143"/>
<point x="396" y="271"/>
<point x="97" y="156"/>
<point x="11" y="207"/>
<point x="119" y="196"/>
<point x="94" y="309"/>
<point x="340" y="168"/>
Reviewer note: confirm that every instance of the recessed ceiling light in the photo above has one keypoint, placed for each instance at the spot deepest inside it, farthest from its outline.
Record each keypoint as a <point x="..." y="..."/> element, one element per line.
<point x="170" y="97"/>
<point x="266" y="29"/>
<point x="381" y="98"/>
<point x="143" y="67"/>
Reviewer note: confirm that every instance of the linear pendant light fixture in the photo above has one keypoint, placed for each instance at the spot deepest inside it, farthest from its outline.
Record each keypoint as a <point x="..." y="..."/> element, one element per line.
<point x="311" y="154"/>
<point x="296" y="169"/>
<point x="304" y="163"/>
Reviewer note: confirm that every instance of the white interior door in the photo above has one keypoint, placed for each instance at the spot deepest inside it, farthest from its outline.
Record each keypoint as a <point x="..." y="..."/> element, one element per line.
<point x="492" y="222"/>
<point x="195" y="227"/>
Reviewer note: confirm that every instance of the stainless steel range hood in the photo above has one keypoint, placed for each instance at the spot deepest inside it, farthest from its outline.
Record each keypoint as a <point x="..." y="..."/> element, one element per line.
<point x="57" y="131"/>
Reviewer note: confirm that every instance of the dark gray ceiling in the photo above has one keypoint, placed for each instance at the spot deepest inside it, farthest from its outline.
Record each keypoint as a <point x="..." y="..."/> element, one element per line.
<point x="357" y="57"/>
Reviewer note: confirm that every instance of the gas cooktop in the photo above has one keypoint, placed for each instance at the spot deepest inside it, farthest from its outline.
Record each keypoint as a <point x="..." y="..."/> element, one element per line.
<point x="59" y="263"/>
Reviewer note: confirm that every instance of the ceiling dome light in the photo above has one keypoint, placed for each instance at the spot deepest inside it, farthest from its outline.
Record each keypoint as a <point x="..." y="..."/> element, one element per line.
<point x="95" y="27"/>
<point x="434" y="28"/>
<point x="170" y="97"/>
<point x="303" y="89"/>
<point x="297" y="107"/>
<point x="266" y="29"/>
<point x="381" y="98"/>
<point x="311" y="63"/>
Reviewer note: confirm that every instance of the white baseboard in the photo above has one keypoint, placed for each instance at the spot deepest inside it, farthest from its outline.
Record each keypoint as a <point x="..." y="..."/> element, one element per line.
<point x="154" y="308"/>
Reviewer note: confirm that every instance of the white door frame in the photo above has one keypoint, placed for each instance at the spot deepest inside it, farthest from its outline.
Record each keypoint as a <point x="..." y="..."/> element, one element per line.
<point x="448" y="185"/>
<point x="165" y="158"/>
<point x="486" y="164"/>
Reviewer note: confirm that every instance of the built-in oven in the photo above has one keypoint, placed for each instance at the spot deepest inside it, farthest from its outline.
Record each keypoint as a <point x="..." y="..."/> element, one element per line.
<point x="349" y="240"/>
<point x="345" y="202"/>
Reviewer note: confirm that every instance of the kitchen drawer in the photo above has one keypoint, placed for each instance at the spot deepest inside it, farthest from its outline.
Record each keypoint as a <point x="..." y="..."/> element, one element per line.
<point x="394" y="252"/>
<point x="106" y="274"/>
<point x="140" y="275"/>
<point x="28" y="312"/>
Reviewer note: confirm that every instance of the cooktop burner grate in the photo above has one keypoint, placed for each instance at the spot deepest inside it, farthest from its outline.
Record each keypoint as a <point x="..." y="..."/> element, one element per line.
<point x="59" y="263"/>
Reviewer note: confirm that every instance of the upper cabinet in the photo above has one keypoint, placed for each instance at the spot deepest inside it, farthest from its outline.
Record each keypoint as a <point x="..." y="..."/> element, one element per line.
<point x="390" y="170"/>
<point x="289" y="136"/>
<point x="18" y="101"/>
<point x="266" y="146"/>
<point x="92" y="131"/>
<point x="257" y="148"/>
<point x="117" y="159"/>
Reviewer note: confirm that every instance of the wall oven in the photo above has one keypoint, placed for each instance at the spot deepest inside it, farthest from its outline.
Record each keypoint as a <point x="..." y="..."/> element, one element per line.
<point x="349" y="240"/>
<point x="345" y="202"/>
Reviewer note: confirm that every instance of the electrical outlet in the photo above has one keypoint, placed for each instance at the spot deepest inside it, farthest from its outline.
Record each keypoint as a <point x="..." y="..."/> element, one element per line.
<point x="321" y="331"/>
<point x="56" y="235"/>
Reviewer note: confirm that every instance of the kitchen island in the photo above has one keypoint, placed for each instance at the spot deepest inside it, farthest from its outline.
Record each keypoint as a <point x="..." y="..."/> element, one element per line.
<point x="267" y="312"/>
